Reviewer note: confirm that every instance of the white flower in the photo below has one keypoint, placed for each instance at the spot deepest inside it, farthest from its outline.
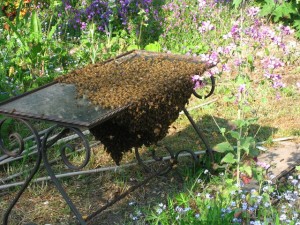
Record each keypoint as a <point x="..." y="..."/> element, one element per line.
<point x="159" y="211"/>
<point x="282" y="217"/>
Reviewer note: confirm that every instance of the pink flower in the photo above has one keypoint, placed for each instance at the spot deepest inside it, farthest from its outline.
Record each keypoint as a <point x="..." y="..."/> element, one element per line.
<point x="264" y="165"/>
<point x="206" y="26"/>
<point x="253" y="11"/>
<point x="198" y="81"/>
<point x="235" y="31"/>
<point x="213" y="71"/>
<point x="225" y="68"/>
<point x="286" y="30"/>
<point x="211" y="59"/>
<point x="271" y="63"/>
<point x="201" y="4"/>
<point x="238" y="62"/>
<point x="242" y="88"/>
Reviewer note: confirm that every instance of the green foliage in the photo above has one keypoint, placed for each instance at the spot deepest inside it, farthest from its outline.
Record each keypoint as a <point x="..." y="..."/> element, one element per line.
<point x="287" y="12"/>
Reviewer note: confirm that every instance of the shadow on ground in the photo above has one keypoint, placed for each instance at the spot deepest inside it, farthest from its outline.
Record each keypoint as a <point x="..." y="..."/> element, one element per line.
<point x="93" y="191"/>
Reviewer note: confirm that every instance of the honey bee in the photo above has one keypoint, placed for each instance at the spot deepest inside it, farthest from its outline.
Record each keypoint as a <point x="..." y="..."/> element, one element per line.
<point x="155" y="87"/>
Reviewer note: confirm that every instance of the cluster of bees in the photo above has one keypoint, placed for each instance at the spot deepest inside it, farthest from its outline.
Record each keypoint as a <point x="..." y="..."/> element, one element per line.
<point x="156" y="90"/>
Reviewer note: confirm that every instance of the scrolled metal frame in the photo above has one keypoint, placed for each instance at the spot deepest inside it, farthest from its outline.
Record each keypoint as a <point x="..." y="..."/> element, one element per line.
<point x="46" y="145"/>
<point x="20" y="141"/>
<point x="42" y="147"/>
<point x="43" y="144"/>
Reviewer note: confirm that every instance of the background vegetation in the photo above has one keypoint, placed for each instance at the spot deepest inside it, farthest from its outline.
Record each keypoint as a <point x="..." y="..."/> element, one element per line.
<point x="255" y="52"/>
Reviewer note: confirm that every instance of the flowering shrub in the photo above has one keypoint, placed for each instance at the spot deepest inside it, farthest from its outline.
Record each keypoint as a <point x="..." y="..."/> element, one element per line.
<point x="113" y="15"/>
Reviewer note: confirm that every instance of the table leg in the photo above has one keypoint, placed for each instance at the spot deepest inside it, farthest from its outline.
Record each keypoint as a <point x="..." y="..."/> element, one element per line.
<point x="59" y="187"/>
<point x="200" y="134"/>
<point x="17" y="137"/>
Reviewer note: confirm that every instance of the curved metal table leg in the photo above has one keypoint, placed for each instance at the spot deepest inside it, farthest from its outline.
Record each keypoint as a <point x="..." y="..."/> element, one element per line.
<point x="200" y="134"/>
<point x="67" y="163"/>
<point x="20" y="141"/>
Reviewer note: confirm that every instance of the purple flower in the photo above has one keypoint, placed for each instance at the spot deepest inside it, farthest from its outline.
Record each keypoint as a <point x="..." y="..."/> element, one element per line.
<point x="211" y="59"/>
<point x="238" y="62"/>
<point x="83" y="25"/>
<point x="198" y="81"/>
<point x="214" y="71"/>
<point x="242" y="88"/>
<point x="286" y="30"/>
<point x="271" y="63"/>
<point x="264" y="165"/>
<point x="275" y="80"/>
<point x="201" y="4"/>
<point x="225" y="68"/>
<point x="253" y="11"/>
<point x="235" y="31"/>
<point x="206" y="26"/>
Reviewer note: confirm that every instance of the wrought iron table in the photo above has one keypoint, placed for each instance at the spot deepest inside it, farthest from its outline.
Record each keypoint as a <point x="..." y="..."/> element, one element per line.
<point x="57" y="103"/>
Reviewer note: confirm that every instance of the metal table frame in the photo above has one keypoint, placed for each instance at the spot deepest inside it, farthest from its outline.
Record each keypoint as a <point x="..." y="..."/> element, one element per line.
<point x="44" y="143"/>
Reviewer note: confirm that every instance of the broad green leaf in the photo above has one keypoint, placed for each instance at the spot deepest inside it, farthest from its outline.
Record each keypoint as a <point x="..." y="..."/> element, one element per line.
<point x="240" y="123"/>
<point x="267" y="8"/>
<point x="246" y="143"/>
<point x="298" y="168"/>
<point x="229" y="158"/>
<point x="247" y="170"/>
<point x="297" y="24"/>
<point x="254" y="152"/>
<point x="235" y="134"/>
<point x="223" y="147"/>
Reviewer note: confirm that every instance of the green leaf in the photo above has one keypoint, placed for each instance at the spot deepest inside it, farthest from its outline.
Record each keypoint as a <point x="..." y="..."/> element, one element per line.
<point x="254" y="152"/>
<point x="240" y="123"/>
<point x="284" y="11"/>
<point x="229" y="158"/>
<point x="247" y="170"/>
<point x="223" y="130"/>
<point x="236" y="3"/>
<point x="35" y="27"/>
<point x="267" y="8"/>
<point x="235" y="134"/>
<point x="223" y="147"/>
<point x="132" y="47"/>
<point x="52" y="31"/>
<point x="298" y="168"/>
<point x="154" y="47"/>
<point x="246" y="143"/>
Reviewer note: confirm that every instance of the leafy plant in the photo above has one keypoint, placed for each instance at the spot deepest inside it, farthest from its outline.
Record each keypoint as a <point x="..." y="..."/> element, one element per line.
<point x="287" y="12"/>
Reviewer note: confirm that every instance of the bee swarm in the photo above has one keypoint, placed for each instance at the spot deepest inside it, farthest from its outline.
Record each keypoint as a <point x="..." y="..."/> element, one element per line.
<point x="155" y="89"/>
